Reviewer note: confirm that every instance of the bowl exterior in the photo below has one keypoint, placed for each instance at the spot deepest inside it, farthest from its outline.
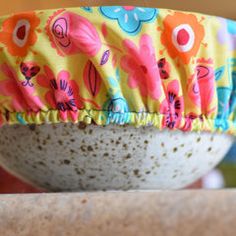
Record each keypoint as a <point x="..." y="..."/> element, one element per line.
<point x="75" y="157"/>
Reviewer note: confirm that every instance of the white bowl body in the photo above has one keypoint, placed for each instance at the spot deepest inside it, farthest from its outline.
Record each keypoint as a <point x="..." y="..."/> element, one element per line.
<point x="70" y="157"/>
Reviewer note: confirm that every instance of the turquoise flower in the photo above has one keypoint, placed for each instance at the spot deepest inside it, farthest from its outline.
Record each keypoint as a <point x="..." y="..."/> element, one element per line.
<point x="227" y="33"/>
<point x="20" y="119"/>
<point x="116" y="107"/>
<point x="129" y="18"/>
<point x="226" y="96"/>
<point x="231" y="27"/>
<point x="118" y="111"/>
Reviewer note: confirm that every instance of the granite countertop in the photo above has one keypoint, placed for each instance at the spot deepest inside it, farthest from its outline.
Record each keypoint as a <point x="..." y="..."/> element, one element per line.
<point x="186" y="212"/>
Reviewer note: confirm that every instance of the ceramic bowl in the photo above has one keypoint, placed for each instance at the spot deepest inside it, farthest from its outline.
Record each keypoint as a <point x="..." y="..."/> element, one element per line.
<point x="76" y="157"/>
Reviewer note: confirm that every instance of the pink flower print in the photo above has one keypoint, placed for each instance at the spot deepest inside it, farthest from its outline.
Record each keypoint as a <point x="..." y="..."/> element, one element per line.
<point x="201" y="86"/>
<point x="172" y="106"/>
<point x="189" y="120"/>
<point x="63" y="93"/>
<point x="22" y="98"/>
<point x="70" y="33"/>
<point x="141" y="65"/>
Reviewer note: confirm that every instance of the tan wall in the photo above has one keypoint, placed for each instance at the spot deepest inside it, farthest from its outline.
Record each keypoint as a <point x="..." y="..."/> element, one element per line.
<point x="226" y="8"/>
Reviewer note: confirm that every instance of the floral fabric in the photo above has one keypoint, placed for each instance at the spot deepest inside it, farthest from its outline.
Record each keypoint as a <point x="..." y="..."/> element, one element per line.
<point x="119" y="64"/>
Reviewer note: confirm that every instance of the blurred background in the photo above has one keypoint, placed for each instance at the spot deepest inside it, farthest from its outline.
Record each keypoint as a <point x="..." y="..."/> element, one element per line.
<point x="225" y="8"/>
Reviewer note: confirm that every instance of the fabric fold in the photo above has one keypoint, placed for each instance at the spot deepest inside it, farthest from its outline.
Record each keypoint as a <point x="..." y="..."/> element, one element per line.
<point x="126" y="65"/>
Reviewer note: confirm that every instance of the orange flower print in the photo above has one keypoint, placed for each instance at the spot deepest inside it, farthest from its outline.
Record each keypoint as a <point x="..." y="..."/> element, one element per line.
<point x="19" y="33"/>
<point x="182" y="35"/>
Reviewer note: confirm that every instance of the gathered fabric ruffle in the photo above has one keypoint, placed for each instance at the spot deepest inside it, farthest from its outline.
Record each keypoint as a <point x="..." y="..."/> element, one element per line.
<point x="98" y="117"/>
<point x="119" y="64"/>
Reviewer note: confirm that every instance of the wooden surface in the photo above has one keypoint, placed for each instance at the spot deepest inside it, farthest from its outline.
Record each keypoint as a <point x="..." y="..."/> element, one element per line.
<point x="224" y="8"/>
<point x="166" y="213"/>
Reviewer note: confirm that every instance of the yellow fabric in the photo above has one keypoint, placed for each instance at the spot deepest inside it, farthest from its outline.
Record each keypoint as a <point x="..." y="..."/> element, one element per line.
<point x="119" y="64"/>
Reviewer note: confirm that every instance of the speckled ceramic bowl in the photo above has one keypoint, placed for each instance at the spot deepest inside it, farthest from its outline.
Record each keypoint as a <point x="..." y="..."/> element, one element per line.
<point x="69" y="157"/>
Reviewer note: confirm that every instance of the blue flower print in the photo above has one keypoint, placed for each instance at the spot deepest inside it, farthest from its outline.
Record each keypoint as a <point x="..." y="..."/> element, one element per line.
<point x="116" y="107"/>
<point x="118" y="111"/>
<point x="129" y="18"/>
<point x="223" y="94"/>
<point x="231" y="26"/>
<point x="226" y="96"/>
<point x="20" y="119"/>
<point x="227" y="33"/>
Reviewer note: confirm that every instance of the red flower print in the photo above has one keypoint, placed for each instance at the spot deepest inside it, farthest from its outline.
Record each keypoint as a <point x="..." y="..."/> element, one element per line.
<point x="92" y="79"/>
<point x="172" y="106"/>
<point x="22" y="98"/>
<point x="29" y="70"/>
<point x="164" y="68"/>
<point x="63" y="93"/>
<point x="141" y="65"/>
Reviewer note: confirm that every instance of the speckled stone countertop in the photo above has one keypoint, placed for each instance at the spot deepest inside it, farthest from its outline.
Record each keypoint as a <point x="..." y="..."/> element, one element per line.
<point x="167" y="213"/>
